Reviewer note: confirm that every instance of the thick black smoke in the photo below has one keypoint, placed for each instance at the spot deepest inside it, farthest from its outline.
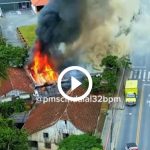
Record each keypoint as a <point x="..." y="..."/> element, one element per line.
<point x="60" y="21"/>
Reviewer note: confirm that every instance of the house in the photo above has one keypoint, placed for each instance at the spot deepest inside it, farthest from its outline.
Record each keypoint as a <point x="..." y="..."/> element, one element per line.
<point x="17" y="84"/>
<point x="37" y="5"/>
<point x="7" y="5"/>
<point x="51" y="122"/>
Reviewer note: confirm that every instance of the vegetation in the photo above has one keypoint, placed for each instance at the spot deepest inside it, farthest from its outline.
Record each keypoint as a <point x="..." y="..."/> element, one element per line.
<point x="28" y="33"/>
<point x="96" y="84"/>
<point x="115" y="63"/>
<point x="110" y="62"/>
<point x="8" y="108"/>
<point x="12" y="138"/>
<point x="81" y="142"/>
<point x="107" y="82"/>
<point x="10" y="56"/>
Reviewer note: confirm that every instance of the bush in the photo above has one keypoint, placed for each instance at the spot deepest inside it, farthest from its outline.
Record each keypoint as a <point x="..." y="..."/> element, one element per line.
<point x="8" y="108"/>
<point x="80" y="142"/>
<point x="12" y="138"/>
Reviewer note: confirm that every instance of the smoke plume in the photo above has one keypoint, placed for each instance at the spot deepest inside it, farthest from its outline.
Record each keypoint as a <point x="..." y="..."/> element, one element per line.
<point x="90" y="29"/>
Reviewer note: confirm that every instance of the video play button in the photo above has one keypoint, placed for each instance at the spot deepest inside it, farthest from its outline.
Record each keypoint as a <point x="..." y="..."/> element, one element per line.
<point x="74" y="83"/>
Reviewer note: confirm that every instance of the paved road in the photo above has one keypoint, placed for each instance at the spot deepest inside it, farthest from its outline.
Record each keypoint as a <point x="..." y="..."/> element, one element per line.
<point x="135" y="124"/>
<point x="14" y="19"/>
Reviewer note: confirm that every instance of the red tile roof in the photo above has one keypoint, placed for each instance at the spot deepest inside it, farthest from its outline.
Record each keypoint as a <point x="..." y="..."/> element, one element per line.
<point x="39" y="2"/>
<point x="17" y="80"/>
<point x="83" y="115"/>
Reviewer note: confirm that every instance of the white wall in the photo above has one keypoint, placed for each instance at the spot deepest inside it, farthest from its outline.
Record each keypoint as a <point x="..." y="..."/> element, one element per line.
<point x="55" y="133"/>
<point x="34" y="9"/>
<point x="15" y="93"/>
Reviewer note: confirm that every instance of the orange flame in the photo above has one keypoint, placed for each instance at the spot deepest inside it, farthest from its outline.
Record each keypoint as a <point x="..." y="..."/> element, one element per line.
<point x="41" y="67"/>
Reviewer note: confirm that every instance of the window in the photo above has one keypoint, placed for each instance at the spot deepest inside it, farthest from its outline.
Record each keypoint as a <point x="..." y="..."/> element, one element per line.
<point x="65" y="122"/>
<point x="39" y="8"/>
<point x="33" y="144"/>
<point x="45" y="135"/>
<point x="65" y="135"/>
<point x="48" y="145"/>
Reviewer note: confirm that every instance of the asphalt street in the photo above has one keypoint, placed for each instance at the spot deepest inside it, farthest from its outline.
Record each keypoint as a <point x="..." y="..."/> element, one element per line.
<point x="13" y="19"/>
<point x="135" y="124"/>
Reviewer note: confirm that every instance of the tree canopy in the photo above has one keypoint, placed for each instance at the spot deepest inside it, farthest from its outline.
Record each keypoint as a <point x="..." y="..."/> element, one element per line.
<point x="81" y="142"/>
<point x="12" y="138"/>
<point x="107" y="82"/>
<point x="10" y="56"/>
<point x="8" y="108"/>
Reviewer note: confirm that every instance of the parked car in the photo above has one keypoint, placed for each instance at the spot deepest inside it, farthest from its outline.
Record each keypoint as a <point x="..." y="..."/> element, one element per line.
<point x="131" y="146"/>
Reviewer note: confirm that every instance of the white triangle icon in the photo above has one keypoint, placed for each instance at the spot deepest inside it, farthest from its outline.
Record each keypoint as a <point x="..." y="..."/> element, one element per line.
<point x="74" y="83"/>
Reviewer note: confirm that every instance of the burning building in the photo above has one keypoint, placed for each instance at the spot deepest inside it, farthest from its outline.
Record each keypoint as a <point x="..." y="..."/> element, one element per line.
<point x="89" y="29"/>
<point x="42" y="68"/>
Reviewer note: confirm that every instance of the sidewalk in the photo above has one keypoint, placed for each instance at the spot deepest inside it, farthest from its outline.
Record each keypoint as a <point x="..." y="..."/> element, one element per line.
<point x="110" y="133"/>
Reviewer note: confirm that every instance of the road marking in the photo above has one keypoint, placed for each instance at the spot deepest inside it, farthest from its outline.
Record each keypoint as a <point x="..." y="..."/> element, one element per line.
<point x="135" y="74"/>
<point x="149" y="76"/>
<point x="140" y="74"/>
<point x="141" y="67"/>
<point x="131" y="74"/>
<point x="144" y="75"/>
<point x="140" y="116"/>
<point x="146" y="84"/>
<point x="148" y="102"/>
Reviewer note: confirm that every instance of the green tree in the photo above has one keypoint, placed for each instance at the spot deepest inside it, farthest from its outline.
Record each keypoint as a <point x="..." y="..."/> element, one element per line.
<point x="10" y="56"/>
<point x="109" y="78"/>
<point x="8" y="108"/>
<point x="110" y="62"/>
<point x="96" y="84"/>
<point x="3" y="69"/>
<point x="81" y="142"/>
<point x="107" y="82"/>
<point x="116" y="63"/>
<point x="124" y="62"/>
<point x="12" y="138"/>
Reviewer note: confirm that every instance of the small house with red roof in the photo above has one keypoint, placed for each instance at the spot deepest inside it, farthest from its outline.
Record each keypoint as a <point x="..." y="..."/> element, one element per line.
<point x="16" y="84"/>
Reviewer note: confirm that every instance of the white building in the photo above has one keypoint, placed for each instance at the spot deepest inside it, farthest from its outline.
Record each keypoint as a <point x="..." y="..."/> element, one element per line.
<point x="51" y="122"/>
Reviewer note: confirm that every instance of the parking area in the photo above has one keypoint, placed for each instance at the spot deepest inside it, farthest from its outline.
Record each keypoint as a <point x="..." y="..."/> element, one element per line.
<point x="13" y="19"/>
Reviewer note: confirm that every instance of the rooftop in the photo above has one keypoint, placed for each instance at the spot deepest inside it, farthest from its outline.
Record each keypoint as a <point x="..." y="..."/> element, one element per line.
<point x="17" y="80"/>
<point x="39" y="2"/>
<point x="83" y="115"/>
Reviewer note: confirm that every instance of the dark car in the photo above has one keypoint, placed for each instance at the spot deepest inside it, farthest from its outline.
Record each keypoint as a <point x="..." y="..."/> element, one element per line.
<point x="131" y="146"/>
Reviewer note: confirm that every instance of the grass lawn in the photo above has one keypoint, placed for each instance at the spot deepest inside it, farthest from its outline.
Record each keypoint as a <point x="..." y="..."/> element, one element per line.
<point x="28" y="32"/>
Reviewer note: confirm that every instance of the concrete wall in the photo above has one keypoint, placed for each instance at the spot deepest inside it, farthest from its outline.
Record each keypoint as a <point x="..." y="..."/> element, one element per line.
<point x="55" y="133"/>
